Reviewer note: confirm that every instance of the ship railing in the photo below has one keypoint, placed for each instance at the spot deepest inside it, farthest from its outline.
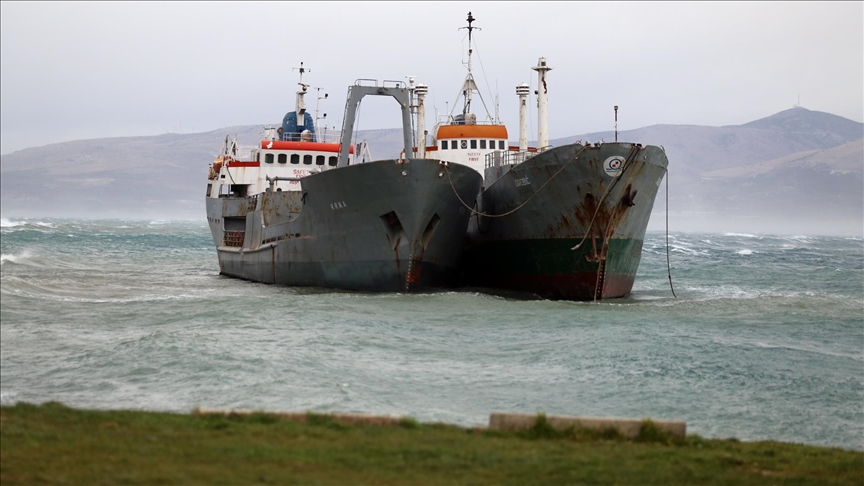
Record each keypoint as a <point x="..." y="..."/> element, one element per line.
<point x="384" y="83"/>
<point x="324" y="135"/>
<point x="444" y="120"/>
<point x="507" y="157"/>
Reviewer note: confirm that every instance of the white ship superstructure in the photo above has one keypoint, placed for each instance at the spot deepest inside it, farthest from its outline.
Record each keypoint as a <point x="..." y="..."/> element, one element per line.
<point x="279" y="160"/>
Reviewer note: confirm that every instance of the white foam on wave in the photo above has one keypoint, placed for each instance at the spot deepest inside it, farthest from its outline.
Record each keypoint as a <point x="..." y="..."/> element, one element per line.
<point x="744" y="252"/>
<point x="5" y="223"/>
<point x="805" y="348"/>
<point x="742" y="235"/>
<point x="118" y="299"/>
<point x="19" y="258"/>
<point x="686" y="249"/>
<point x="696" y="293"/>
<point x="720" y="292"/>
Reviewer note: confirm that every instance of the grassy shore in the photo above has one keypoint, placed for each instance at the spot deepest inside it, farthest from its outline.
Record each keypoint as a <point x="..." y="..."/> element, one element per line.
<point x="54" y="444"/>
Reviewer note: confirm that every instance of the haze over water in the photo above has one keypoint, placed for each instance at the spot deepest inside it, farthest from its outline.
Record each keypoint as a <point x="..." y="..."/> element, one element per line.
<point x="765" y="339"/>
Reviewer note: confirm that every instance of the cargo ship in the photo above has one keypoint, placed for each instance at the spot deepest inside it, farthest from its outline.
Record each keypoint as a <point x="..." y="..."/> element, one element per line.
<point x="562" y="222"/>
<point x="302" y="210"/>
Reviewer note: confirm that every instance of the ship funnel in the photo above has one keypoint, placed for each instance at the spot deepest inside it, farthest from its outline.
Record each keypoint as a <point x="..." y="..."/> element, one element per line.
<point x="542" y="117"/>
<point x="523" y="90"/>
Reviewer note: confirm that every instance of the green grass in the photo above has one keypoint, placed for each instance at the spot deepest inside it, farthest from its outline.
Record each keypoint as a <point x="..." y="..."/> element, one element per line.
<point x="54" y="444"/>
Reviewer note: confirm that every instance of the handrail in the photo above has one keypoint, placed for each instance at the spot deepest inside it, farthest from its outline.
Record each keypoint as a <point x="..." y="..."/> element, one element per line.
<point x="507" y="157"/>
<point x="325" y="137"/>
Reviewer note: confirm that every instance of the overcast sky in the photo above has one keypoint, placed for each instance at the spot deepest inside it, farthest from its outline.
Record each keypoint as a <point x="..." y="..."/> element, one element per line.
<point x="90" y="70"/>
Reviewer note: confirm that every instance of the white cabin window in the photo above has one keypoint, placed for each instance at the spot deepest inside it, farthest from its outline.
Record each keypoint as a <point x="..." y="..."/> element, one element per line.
<point x="307" y="159"/>
<point x="332" y="161"/>
<point x="473" y="144"/>
<point x="283" y="158"/>
<point x="319" y="160"/>
<point x="501" y="145"/>
<point x="464" y="144"/>
<point x="482" y="144"/>
<point x="443" y="144"/>
<point x="295" y="159"/>
<point x="268" y="158"/>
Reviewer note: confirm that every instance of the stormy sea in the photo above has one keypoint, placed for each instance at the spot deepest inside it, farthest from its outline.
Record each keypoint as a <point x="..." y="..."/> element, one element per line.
<point x="764" y="341"/>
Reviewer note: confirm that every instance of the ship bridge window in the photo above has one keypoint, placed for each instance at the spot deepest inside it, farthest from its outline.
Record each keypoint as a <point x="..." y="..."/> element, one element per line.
<point x="283" y="158"/>
<point x="492" y="144"/>
<point x="332" y="161"/>
<point x="268" y="158"/>
<point x="501" y="145"/>
<point x="473" y="144"/>
<point x="319" y="160"/>
<point x="443" y="144"/>
<point x="464" y="144"/>
<point x="482" y="144"/>
<point x="307" y="159"/>
<point x="295" y="159"/>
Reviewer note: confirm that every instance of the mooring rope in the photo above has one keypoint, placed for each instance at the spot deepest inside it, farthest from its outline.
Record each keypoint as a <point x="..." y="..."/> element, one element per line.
<point x="446" y="166"/>
<point x="668" y="265"/>
<point x="627" y="163"/>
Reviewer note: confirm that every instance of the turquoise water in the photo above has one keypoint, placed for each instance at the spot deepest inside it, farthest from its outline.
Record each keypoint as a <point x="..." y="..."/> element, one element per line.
<point x="765" y="339"/>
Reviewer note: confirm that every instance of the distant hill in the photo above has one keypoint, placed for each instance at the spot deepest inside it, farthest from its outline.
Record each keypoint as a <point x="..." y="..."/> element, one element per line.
<point x="797" y="171"/>
<point x="695" y="149"/>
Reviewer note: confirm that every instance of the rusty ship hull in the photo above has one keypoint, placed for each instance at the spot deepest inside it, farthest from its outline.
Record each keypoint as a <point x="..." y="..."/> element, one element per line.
<point x="389" y="225"/>
<point x="565" y="224"/>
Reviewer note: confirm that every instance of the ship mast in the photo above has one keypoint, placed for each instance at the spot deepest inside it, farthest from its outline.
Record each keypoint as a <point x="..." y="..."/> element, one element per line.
<point x="300" y="105"/>
<point x="469" y="86"/>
